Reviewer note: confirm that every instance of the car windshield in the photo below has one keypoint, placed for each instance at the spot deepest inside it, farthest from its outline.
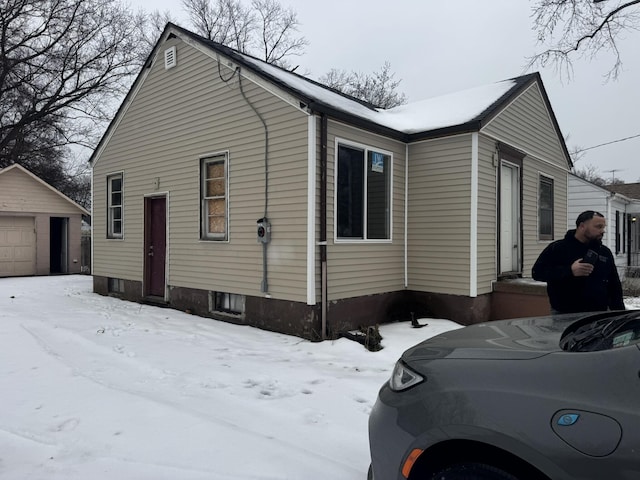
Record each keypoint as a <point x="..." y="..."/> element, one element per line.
<point x="602" y="332"/>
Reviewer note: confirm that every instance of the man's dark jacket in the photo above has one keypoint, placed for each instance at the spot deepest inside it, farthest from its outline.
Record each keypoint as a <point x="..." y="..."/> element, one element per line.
<point x="599" y="291"/>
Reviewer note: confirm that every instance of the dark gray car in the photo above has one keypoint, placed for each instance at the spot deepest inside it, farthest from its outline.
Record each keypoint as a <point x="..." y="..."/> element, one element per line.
<point x="534" y="398"/>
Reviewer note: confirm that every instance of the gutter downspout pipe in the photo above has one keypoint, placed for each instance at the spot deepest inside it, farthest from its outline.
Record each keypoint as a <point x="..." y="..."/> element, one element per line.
<point x="323" y="225"/>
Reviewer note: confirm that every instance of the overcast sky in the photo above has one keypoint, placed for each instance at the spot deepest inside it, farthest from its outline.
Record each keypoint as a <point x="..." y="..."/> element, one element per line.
<point x="441" y="47"/>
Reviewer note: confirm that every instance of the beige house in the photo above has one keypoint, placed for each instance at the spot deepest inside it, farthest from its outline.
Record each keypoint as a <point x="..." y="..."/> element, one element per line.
<point x="233" y="189"/>
<point x="39" y="226"/>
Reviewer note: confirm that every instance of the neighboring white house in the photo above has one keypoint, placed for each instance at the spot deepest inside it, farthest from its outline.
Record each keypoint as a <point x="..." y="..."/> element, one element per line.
<point x="619" y="210"/>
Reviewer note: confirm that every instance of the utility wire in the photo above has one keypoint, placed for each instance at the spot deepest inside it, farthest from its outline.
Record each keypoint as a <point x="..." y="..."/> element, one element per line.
<point x="607" y="143"/>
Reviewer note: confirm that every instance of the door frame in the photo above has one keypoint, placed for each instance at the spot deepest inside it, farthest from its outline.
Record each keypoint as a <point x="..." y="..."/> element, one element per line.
<point x="146" y="243"/>
<point x="509" y="156"/>
<point x="61" y="239"/>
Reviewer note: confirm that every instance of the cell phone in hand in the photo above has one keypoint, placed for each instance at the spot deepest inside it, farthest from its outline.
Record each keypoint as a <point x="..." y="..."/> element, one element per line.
<point x="590" y="257"/>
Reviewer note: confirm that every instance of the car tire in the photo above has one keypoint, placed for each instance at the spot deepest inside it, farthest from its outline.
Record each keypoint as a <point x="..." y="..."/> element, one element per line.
<point x="471" y="471"/>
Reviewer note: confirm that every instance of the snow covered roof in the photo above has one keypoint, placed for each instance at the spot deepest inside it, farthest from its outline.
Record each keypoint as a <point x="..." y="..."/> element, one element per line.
<point x="457" y="112"/>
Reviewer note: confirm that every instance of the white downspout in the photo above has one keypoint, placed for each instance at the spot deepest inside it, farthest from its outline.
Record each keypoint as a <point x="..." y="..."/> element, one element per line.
<point x="311" y="210"/>
<point x="406" y="215"/>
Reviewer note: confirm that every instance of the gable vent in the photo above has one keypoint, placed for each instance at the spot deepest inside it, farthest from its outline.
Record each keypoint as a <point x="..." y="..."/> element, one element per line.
<point x="170" y="59"/>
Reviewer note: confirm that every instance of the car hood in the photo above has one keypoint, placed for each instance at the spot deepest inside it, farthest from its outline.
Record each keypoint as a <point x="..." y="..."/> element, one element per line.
<point x="518" y="339"/>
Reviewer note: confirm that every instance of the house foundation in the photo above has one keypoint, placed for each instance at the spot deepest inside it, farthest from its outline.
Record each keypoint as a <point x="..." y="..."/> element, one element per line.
<point x="510" y="299"/>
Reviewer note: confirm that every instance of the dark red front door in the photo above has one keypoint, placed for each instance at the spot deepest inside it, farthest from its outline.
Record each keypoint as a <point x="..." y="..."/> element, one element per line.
<point x="155" y="240"/>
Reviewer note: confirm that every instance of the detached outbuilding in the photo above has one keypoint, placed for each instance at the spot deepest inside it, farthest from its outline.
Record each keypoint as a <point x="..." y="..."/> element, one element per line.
<point x="234" y="189"/>
<point x="40" y="227"/>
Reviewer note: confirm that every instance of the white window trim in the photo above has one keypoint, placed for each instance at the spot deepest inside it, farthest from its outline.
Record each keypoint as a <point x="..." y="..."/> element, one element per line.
<point x="204" y="235"/>
<point x="109" y="229"/>
<point x="366" y="148"/>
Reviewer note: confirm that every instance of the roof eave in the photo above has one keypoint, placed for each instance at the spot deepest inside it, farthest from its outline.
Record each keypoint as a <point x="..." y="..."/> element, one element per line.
<point x="468" y="127"/>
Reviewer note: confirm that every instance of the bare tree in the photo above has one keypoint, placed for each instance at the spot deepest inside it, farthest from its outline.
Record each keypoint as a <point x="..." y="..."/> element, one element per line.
<point x="584" y="27"/>
<point x="62" y="61"/>
<point x="378" y="88"/>
<point x="591" y="174"/>
<point x="61" y="64"/>
<point x="153" y="27"/>
<point x="265" y="30"/>
<point x="277" y="29"/>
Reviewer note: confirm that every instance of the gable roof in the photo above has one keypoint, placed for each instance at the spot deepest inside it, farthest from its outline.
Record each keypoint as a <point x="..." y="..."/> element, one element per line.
<point x="461" y="112"/>
<point x="20" y="168"/>
<point x="630" y="190"/>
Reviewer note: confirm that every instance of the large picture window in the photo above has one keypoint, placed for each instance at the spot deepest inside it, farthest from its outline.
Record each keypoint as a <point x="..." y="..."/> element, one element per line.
<point x="214" y="198"/>
<point x="114" y="206"/>
<point x="545" y="208"/>
<point x="363" y="193"/>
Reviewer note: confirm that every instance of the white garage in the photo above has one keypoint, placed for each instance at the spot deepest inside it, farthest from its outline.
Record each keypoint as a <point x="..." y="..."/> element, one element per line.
<point x="17" y="246"/>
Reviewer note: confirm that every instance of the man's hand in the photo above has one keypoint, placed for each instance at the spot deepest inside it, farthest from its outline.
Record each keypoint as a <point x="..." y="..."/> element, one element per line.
<point x="581" y="269"/>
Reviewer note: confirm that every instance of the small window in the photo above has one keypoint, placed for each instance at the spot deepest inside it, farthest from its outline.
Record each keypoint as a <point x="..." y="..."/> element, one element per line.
<point x="115" y="285"/>
<point x="213" y="206"/>
<point x="545" y="209"/>
<point x="230" y="303"/>
<point x="363" y="193"/>
<point x="618" y="232"/>
<point x="114" y="206"/>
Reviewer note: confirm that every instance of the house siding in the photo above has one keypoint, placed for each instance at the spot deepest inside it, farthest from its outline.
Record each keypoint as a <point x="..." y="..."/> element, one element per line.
<point x="526" y="124"/>
<point x="530" y="191"/>
<point x="173" y="118"/>
<point x="371" y="267"/>
<point x="439" y="215"/>
<point x="21" y="193"/>
<point x="177" y="117"/>
<point x="487" y="215"/>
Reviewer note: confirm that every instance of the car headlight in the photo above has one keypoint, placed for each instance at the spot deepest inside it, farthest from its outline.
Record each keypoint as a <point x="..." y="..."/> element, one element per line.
<point x="403" y="377"/>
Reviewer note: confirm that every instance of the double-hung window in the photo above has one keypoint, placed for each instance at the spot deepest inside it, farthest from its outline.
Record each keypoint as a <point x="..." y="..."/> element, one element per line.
<point x="114" y="206"/>
<point x="213" y="205"/>
<point x="363" y="193"/>
<point x="545" y="208"/>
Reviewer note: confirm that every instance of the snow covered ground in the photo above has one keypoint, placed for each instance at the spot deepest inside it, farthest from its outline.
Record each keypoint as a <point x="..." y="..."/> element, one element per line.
<point x="96" y="388"/>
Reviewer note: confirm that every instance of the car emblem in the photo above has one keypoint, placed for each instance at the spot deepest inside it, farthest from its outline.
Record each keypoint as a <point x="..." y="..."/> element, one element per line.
<point x="568" y="419"/>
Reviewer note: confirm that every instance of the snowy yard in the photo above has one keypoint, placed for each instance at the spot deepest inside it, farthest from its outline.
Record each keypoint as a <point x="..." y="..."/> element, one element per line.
<point x="98" y="388"/>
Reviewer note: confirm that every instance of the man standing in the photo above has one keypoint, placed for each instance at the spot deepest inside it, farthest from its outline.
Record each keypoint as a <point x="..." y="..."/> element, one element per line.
<point x="580" y="271"/>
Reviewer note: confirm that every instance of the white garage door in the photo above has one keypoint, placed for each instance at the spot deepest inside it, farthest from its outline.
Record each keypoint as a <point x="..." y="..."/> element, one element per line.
<point x="17" y="246"/>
